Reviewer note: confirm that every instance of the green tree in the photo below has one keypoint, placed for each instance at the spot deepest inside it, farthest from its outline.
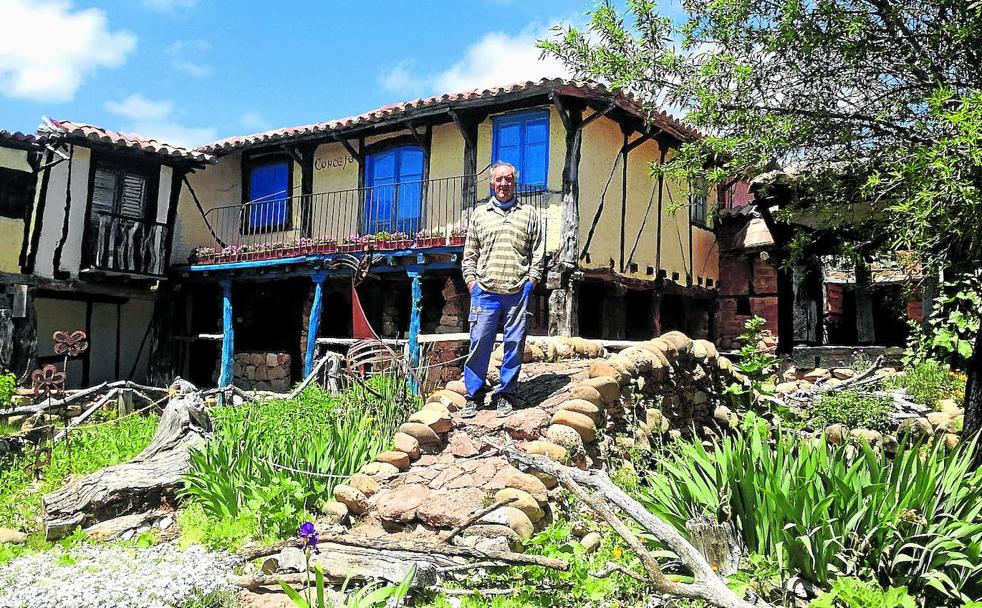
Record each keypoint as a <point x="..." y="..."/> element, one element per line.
<point x="878" y="103"/>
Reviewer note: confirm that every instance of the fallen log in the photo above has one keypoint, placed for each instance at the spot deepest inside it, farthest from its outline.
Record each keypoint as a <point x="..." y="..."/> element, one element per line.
<point x="139" y="485"/>
<point x="595" y="489"/>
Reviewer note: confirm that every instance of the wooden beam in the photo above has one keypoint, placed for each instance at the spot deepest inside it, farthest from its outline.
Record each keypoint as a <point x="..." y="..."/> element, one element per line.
<point x="228" y="336"/>
<point x="562" y="111"/>
<point x="313" y="323"/>
<point x="347" y="146"/>
<point x="598" y="114"/>
<point x="637" y="142"/>
<point x="292" y="153"/>
<point x="420" y="141"/>
<point x="464" y="128"/>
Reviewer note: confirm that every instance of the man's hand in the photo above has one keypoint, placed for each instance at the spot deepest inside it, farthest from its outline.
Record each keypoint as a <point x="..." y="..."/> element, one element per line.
<point x="533" y="282"/>
<point x="470" y="286"/>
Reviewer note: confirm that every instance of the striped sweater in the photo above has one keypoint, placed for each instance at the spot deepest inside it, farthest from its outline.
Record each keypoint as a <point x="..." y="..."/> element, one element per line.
<point x="504" y="248"/>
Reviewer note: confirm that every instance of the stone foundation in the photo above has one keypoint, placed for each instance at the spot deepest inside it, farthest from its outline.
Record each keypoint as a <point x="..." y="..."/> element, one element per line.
<point x="262" y="371"/>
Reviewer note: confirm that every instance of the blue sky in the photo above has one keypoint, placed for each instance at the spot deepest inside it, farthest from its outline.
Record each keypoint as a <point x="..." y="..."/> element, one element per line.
<point x="193" y="71"/>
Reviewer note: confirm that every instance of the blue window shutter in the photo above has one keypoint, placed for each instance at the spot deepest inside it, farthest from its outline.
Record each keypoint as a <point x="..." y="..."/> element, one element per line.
<point x="522" y="139"/>
<point x="394" y="200"/>
<point x="269" y="186"/>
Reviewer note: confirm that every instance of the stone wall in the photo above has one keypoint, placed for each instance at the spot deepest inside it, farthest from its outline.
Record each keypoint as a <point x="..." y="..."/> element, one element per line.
<point x="262" y="371"/>
<point x="747" y="284"/>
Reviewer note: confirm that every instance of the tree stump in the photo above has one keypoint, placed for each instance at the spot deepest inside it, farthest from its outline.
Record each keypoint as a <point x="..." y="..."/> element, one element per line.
<point x="139" y="485"/>
<point x="717" y="542"/>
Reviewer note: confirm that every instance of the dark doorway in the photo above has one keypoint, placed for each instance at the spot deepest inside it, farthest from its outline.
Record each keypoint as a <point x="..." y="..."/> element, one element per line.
<point x="590" y="308"/>
<point x="640" y="321"/>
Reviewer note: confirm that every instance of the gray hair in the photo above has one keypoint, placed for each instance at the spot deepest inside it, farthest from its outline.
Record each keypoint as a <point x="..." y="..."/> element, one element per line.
<point x="501" y="163"/>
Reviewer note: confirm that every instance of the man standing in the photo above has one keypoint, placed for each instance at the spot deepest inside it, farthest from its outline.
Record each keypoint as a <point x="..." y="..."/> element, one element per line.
<point x="502" y="264"/>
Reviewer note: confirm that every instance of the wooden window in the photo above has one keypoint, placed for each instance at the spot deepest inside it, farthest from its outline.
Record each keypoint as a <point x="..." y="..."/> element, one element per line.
<point x="16" y="192"/>
<point x="697" y="200"/>
<point x="522" y="139"/>
<point x="268" y="196"/>
<point x="118" y="192"/>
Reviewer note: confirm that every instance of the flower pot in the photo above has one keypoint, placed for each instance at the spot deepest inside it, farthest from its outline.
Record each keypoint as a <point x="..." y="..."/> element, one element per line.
<point x="456" y="241"/>
<point x="429" y="241"/>
<point x="324" y="248"/>
<point x="349" y="247"/>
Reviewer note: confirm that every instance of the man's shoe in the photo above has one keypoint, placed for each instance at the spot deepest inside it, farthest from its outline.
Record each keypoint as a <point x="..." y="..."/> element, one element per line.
<point x="469" y="410"/>
<point x="503" y="406"/>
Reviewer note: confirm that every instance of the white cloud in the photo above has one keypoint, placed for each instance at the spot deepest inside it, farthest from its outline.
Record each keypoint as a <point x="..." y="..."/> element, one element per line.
<point x="155" y="119"/>
<point x="138" y="108"/>
<point x="186" y="56"/>
<point x="48" y="48"/>
<point x="254" y="121"/>
<point x="169" y="6"/>
<point x="498" y="58"/>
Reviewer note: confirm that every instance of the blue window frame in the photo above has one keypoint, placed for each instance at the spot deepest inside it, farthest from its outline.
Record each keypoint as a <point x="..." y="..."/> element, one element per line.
<point x="269" y="195"/>
<point x="393" y="201"/>
<point x="522" y="139"/>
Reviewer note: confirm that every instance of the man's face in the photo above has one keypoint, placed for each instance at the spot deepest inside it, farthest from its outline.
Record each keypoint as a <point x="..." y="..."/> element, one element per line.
<point x="503" y="180"/>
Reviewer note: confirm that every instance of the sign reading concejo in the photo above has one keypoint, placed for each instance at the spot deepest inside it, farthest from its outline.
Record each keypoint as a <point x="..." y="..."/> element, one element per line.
<point x="322" y="163"/>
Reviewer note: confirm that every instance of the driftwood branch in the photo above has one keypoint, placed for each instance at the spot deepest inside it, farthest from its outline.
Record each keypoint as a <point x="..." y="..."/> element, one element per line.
<point x="81" y="394"/>
<point x="707" y="585"/>
<point x="477" y="516"/>
<point x="611" y="568"/>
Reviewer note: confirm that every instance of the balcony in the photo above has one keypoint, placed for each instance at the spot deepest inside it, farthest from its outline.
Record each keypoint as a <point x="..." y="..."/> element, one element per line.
<point x="126" y="245"/>
<point x="406" y="216"/>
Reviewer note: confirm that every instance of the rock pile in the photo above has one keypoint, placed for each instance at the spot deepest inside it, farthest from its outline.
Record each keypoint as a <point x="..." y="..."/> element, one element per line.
<point x="442" y="471"/>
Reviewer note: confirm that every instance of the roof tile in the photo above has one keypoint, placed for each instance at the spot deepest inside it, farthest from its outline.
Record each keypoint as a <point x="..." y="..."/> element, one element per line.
<point x="54" y="129"/>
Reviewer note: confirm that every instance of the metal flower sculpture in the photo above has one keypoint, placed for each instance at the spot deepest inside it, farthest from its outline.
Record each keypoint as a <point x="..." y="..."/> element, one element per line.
<point x="48" y="382"/>
<point x="70" y="344"/>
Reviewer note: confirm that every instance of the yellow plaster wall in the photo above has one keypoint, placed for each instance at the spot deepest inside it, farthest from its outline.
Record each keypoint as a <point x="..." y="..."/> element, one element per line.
<point x="11" y="235"/>
<point x="600" y="154"/>
<point x="14" y="159"/>
<point x="217" y="185"/>
<point x="336" y="201"/>
<point x="641" y="220"/>
<point x="444" y="195"/>
<point x="705" y="255"/>
<point x="675" y="229"/>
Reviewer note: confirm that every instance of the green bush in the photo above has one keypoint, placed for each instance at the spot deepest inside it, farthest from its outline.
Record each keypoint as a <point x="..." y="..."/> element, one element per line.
<point x="950" y="331"/>
<point x="757" y="365"/>
<point x="91" y="449"/>
<point x="928" y="382"/>
<point x="851" y="592"/>
<point x="851" y="408"/>
<point x="240" y="473"/>
<point x="912" y="521"/>
<point x="8" y="388"/>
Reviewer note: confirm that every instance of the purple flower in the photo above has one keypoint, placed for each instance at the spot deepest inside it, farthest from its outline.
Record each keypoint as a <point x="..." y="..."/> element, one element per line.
<point x="308" y="535"/>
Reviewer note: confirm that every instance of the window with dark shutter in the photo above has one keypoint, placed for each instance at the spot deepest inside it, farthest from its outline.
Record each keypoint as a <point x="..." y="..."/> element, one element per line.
<point x="116" y="191"/>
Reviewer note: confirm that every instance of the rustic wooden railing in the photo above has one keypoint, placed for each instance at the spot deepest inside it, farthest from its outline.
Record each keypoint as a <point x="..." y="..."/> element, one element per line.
<point x="125" y="244"/>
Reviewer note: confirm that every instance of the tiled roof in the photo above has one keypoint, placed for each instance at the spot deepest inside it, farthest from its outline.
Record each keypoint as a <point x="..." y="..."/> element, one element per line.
<point x="588" y="90"/>
<point x="17" y="137"/>
<point x="51" y="128"/>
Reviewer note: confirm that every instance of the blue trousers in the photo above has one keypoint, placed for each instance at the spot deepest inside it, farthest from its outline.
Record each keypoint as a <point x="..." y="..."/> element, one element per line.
<point x="488" y="312"/>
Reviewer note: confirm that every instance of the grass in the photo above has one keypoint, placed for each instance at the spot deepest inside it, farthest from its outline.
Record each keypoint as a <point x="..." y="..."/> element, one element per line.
<point x="928" y="382"/>
<point x="91" y="450"/>
<point x="238" y="480"/>
<point x="851" y="408"/>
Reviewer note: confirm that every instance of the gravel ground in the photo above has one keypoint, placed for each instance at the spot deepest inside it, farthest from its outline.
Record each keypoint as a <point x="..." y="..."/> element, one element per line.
<point x="113" y="576"/>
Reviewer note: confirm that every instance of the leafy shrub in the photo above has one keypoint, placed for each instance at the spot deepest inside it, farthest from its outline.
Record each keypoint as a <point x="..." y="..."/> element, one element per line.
<point x="240" y="471"/>
<point x="954" y="322"/>
<point x="851" y="592"/>
<point x="91" y="449"/>
<point x="851" y="408"/>
<point x="928" y="382"/>
<point x="911" y="521"/>
<point x="756" y="364"/>
<point x="8" y="388"/>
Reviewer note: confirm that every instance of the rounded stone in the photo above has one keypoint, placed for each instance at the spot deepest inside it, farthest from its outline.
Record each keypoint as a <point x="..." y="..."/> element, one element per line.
<point x="607" y="386"/>
<point x="435" y="420"/>
<point x="549" y="450"/>
<point x="786" y="388"/>
<point x="890" y="445"/>
<point x="420" y="432"/>
<point x="436" y="406"/>
<point x="704" y="350"/>
<point x="726" y="417"/>
<point x="667" y="347"/>
<point x="522" y="501"/>
<point x="724" y="365"/>
<point x="583" y="407"/>
<point x="457" y="386"/>
<point x="587" y="393"/>
<point x="681" y="342"/>
<point x="950" y="407"/>
<point x="656" y="421"/>
<point x="510" y="477"/>
<point x="602" y="368"/>
<point x="643" y="360"/>
<point x="453" y="400"/>
<point x="581" y="423"/>
<point x="565" y="437"/>
<point x="916" y="428"/>
<point x="353" y="498"/>
<point x="493" y="531"/>
<point x="333" y="512"/>
<point x="533" y="353"/>
<point x="625" y="365"/>
<point x="591" y="542"/>
<point x="365" y="484"/>
<point x="547" y="480"/>
<point x="516" y="519"/>
<point x="868" y="435"/>
<point x="835" y="434"/>
<point x="380" y="469"/>
<point x="399" y="460"/>
<point x="940" y="421"/>
<point x="407" y="444"/>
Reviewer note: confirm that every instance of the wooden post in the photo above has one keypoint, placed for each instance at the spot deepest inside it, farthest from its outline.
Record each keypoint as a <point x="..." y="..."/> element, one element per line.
<point x="313" y="323"/>
<point x="570" y="213"/>
<point x="415" y="322"/>
<point x="865" y="333"/>
<point x="562" y="305"/>
<point x="228" y="335"/>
